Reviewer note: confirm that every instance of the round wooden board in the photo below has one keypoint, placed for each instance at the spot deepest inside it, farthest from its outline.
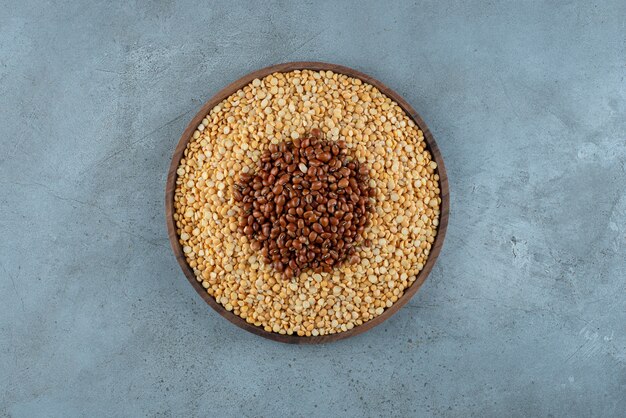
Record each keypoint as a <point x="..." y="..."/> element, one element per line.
<point x="171" y="186"/>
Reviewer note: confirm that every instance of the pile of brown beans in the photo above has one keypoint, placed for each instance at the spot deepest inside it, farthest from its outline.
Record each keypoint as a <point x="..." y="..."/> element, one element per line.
<point x="306" y="206"/>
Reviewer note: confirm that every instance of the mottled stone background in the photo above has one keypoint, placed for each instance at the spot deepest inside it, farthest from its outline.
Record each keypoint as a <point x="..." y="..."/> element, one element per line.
<point x="523" y="315"/>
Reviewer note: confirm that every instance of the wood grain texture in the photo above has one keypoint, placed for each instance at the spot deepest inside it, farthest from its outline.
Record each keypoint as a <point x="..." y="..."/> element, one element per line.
<point x="171" y="186"/>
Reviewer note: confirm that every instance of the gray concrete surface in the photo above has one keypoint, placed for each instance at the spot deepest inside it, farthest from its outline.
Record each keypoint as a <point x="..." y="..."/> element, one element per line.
<point x="524" y="314"/>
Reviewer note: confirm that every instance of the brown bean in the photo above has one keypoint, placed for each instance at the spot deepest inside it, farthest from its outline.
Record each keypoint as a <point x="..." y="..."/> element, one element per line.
<point x="344" y="171"/>
<point x="245" y="177"/>
<point x="283" y="179"/>
<point x="280" y="241"/>
<point x="293" y="264"/>
<point x="277" y="190"/>
<point x="288" y="273"/>
<point x="324" y="157"/>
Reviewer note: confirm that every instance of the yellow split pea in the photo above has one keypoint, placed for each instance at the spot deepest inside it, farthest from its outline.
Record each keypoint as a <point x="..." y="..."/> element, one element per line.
<point x="281" y="107"/>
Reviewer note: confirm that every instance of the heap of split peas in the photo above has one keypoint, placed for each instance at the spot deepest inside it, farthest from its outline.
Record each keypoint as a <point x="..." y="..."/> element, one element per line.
<point x="378" y="134"/>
